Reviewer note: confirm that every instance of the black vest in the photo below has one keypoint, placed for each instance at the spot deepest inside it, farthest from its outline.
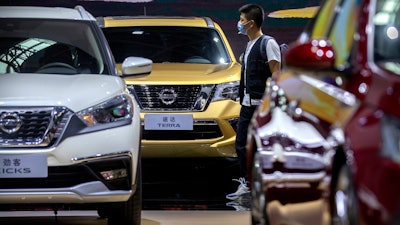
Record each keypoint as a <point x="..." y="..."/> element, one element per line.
<point x="257" y="73"/>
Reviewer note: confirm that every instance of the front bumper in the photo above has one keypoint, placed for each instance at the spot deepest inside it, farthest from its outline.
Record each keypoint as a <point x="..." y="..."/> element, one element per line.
<point x="78" y="183"/>
<point x="91" y="192"/>
<point x="213" y="134"/>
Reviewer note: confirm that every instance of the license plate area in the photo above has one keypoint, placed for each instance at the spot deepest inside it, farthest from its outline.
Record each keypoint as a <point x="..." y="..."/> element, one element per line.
<point x="168" y="122"/>
<point x="23" y="166"/>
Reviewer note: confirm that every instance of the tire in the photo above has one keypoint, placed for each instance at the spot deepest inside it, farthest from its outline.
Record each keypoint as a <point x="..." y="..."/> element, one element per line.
<point x="344" y="202"/>
<point x="130" y="212"/>
<point x="258" y="198"/>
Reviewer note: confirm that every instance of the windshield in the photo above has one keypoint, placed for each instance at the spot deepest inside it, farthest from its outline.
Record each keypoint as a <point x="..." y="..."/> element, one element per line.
<point x="49" y="46"/>
<point x="387" y="24"/>
<point x="166" y="44"/>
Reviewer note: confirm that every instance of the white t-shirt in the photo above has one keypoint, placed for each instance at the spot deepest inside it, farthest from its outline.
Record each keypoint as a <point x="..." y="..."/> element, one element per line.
<point x="273" y="53"/>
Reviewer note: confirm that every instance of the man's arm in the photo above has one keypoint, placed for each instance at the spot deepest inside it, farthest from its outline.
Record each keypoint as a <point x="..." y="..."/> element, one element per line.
<point x="274" y="54"/>
<point x="275" y="68"/>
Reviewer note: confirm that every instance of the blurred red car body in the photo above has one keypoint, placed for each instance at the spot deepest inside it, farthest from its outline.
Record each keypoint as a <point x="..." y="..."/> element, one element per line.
<point x="328" y="130"/>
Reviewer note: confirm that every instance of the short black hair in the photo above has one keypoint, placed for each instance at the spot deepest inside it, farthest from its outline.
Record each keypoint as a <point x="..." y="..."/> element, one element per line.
<point x="253" y="12"/>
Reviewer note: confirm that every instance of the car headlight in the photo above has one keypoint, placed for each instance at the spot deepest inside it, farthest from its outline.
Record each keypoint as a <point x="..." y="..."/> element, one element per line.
<point x="390" y="129"/>
<point x="226" y="91"/>
<point x="113" y="110"/>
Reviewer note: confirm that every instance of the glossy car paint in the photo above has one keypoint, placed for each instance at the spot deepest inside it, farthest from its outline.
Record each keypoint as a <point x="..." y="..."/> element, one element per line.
<point x="169" y="74"/>
<point x="78" y="126"/>
<point x="333" y="84"/>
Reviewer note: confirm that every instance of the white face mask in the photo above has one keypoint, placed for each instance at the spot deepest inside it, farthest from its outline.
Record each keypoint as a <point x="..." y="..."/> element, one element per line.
<point x="241" y="29"/>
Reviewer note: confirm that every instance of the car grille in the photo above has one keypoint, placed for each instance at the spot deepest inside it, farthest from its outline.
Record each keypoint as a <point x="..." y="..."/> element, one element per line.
<point x="170" y="97"/>
<point x="32" y="127"/>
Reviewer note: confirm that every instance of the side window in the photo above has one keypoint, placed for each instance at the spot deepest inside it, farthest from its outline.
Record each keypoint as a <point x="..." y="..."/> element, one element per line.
<point x="343" y="30"/>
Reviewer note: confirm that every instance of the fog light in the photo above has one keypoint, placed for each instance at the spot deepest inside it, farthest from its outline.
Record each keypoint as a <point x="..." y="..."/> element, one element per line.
<point x="114" y="174"/>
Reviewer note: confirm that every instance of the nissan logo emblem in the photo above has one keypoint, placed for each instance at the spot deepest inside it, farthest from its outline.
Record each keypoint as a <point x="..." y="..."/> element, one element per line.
<point x="10" y="122"/>
<point x="167" y="96"/>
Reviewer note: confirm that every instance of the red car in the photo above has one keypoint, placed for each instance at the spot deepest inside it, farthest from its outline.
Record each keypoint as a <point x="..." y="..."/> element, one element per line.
<point x="324" y="147"/>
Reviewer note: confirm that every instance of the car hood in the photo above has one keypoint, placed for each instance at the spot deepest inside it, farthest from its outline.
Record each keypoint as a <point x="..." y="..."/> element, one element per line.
<point x="184" y="73"/>
<point x="76" y="92"/>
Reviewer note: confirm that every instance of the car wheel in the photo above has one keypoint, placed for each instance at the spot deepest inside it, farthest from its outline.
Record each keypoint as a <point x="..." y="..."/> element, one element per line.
<point x="130" y="212"/>
<point x="258" y="199"/>
<point x="344" y="206"/>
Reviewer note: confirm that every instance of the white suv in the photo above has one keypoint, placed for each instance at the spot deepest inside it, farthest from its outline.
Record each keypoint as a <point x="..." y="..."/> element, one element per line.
<point x="69" y="128"/>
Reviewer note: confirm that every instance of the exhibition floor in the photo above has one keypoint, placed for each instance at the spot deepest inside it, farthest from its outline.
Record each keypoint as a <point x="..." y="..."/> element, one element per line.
<point x="149" y="217"/>
<point x="180" y="193"/>
<point x="175" y="192"/>
<point x="293" y="215"/>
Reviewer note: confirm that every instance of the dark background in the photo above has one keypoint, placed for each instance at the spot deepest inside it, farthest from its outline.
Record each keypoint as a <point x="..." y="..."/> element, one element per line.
<point x="224" y="12"/>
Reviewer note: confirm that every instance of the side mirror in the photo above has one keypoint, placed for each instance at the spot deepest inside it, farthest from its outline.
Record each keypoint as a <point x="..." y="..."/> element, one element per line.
<point x="316" y="54"/>
<point x="136" y="66"/>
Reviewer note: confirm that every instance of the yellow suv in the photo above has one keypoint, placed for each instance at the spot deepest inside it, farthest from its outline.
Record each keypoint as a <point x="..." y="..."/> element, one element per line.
<point x="189" y="102"/>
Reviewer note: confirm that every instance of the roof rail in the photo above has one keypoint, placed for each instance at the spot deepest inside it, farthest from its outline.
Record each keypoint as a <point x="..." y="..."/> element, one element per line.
<point x="209" y="22"/>
<point x="84" y="14"/>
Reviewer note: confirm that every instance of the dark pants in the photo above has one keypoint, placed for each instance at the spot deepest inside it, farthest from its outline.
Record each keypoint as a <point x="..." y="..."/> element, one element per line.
<point x="246" y="113"/>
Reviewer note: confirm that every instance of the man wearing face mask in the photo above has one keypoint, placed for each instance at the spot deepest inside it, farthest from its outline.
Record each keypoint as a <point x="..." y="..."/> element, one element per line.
<point x="256" y="70"/>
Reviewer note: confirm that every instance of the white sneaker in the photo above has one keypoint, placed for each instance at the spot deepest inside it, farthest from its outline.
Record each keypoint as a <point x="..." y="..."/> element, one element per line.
<point x="242" y="189"/>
